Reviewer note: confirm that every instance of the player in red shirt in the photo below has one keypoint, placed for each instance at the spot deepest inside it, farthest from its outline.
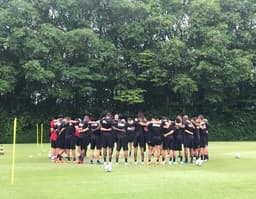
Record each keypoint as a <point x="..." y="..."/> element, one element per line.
<point x="53" y="138"/>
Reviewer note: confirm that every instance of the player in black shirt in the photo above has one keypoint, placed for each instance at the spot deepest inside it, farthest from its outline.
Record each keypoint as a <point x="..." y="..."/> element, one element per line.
<point x="119" y="128"/>
<point x="178" y="138"/>
<point x="139" y="139"/>
<point x="95" y="140"/>
<point x="61" y="146"/>
<point x="196" y="138"/>
<point x="168" y="139"/>
<point x="107" y="137"/>
<point x="84" y="137"/>
<point x="203" y="126"/>
<point x="206" y="152"/>
<point x="131" y="134"/>
<point x="115" y="120"/>
<point x="188" y="138"/>
<point x="70" y="139"/>
<point x="156" y="130"/>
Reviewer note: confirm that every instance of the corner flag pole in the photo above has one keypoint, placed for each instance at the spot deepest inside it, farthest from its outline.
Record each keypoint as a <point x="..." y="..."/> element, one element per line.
<point x="42" y="134"/>
<point x="13" y="150"/>
<point x="37" y="134"/>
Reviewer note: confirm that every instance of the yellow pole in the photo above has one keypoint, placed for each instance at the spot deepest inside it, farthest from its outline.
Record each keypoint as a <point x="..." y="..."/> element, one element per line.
<point x="42" y="134"/>
<point x="37" y="135"/>
<point x="13" y="150"/>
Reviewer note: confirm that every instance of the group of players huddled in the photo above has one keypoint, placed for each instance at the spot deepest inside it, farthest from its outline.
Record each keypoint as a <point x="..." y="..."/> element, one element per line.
<point x="186" y="138"/>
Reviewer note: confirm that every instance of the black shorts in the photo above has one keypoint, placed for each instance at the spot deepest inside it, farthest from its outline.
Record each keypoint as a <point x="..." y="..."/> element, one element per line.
<point x="83" y="141"/>
<point x="139" y="140"/>
<point x="131" y="137"/>
<point x="188" y="141"/>
<point x="156" y="141"/>
<point x="196" y="142"/>
<point x="168" y="143"/>
<point x="122" y="142"/>
<point x="70" y="142"/>
<point x="54" y="144"/>
<point x="96" y="141"/>
<point x="114" y="135"/>
<point x="148" y="138"/>
<point x="79" y="141"/>
<point x="203" y="140"/>
<point x="107" y="140"/>
<point x="61" y="142"/>
<point x="178" y="143"/>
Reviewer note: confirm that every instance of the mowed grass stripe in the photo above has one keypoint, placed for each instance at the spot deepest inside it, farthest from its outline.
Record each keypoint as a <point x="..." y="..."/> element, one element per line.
<point x="222" y="177"/>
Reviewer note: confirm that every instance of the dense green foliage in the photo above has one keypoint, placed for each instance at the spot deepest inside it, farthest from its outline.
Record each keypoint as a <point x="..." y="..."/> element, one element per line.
<point x="158" y="56"/>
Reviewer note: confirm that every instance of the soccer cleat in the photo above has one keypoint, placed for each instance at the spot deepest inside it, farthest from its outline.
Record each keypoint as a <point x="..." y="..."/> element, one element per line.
<point x="99" y="163"/>
<point x="163" y="162"/>
<point x="117" y="163"/>
<point x="170" y="163"/>
<point x="91" y="161"/>
<point x="181" y="162"/>
<point x="142" y="163"/>
<point x="126" y="163"/>
<point x="135" y="163"/>
<point x="105" y="163"/>
<point x="175" y="163"/>
<point x="149" y="163"/>
<point x="80" y="162"/>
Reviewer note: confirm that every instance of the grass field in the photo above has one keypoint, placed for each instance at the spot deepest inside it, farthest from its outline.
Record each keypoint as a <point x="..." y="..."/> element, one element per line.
<point x="222" y="177"/>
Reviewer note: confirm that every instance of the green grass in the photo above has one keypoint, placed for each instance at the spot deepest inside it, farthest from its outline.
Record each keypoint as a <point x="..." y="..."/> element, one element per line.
<point x="222" y="177"/>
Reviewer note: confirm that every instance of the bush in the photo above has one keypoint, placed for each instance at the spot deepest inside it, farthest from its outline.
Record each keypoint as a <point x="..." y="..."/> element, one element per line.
<point x="239" y="128"/>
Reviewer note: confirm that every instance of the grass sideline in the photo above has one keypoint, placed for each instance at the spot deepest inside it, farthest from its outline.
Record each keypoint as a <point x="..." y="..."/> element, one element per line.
<point x="223" y="177"/>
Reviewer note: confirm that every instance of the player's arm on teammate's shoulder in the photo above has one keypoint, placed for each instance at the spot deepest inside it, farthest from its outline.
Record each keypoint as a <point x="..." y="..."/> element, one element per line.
<point x="84" y="130"/>
<point x="189" y="132"/>
<point x="115" y="128"/>
<point x="105" y="129"/>
<point x="169" y="133"/>
<point x="142" y="123"/>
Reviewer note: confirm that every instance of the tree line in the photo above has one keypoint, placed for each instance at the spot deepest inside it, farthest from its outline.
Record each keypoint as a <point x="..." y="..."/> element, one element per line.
<point x="162" y="57"/>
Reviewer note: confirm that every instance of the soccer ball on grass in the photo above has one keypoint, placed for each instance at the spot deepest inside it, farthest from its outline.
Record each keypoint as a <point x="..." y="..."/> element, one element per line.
<point x="199" y="162"/>
<point x="108" y="168"/>
<point x="237" y="155"/>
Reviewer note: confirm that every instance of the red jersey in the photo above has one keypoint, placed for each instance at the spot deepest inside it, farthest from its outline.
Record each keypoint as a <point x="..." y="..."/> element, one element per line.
<point x="53" y="135"/>
<point x="53" y="131"/>
<point x="77" y="132"/>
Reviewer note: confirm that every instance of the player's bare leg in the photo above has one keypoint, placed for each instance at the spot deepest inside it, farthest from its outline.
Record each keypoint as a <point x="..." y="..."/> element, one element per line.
<point x="163" y="152"/>
<point x="117" y="156"/>
<point x="142" y="153"/>
<point x="110" y="153"/>
<point x="74" y="154"/>
<point x="105" y="155"/>
<point x="130" y="148"/>
<point x="186" y="154"/>
<point x="206" y="155"/>
<point x="158" y="153"/>
<point x="135" y="154"/>
<point x="126" y="157"/>
<point x="150" y="152"/>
